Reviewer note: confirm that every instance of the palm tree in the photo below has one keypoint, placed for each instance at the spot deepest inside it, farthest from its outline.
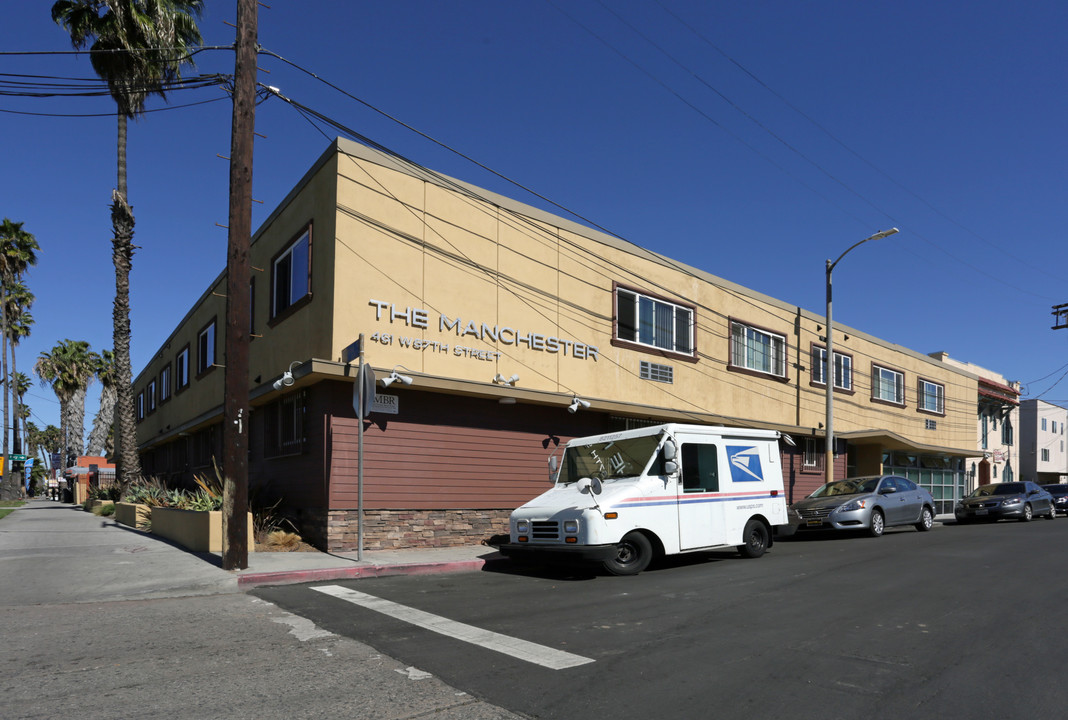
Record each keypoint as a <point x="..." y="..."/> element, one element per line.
<point x="19" y="320"/>
<point x="20" y="385"/>
<point x="18" y="251"/>
<point x="69" y="369"/>
<point x="98" y="436"/>
<point x="137" y="47"/>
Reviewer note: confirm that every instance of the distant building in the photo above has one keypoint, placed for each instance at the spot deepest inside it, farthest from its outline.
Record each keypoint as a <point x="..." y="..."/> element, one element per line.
<point x="998" y="413"/>
<point x="1044" y="458"/>
<point x="497" y="332"/>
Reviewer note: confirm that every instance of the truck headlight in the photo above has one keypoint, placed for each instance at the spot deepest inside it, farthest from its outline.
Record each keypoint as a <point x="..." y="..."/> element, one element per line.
<point x="570" y="526"/>
<point x="522" y="526"/>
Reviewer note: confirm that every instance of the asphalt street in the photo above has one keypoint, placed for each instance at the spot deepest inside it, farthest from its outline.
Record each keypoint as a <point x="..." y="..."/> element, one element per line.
<point x="962" y="621"/>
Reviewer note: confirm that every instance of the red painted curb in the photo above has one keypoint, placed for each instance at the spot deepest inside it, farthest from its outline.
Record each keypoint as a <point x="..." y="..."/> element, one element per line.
<point x="295" y="577"/>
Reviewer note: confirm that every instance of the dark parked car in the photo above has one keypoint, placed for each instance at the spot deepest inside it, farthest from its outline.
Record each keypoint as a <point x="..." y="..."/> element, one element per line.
<point x="871" y="503"/>
<point x="1060" y="496"/>
<point x="1006" y="501"/>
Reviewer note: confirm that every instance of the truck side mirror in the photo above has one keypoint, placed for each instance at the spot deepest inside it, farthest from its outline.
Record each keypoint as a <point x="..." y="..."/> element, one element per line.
<point x="552" y="468"/>
<point x="670" y="451"/>
<point x="671" y="467"/>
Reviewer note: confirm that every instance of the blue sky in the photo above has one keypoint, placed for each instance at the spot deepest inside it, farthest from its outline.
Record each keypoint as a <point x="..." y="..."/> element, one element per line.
<point x="753" y="139"/>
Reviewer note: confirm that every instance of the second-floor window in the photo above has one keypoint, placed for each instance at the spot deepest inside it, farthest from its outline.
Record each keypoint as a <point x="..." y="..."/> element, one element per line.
<point x="932" y="397"/>
<point x="165" y="383"/>
<point x="654" y="322"/>
<point x="289" y="274"/>
<point x="181" y="368"/>
<point x="843" y="369"/>
<point x="758" y="350"/>
<point x="887" y="385"/>
<point x="206" y="348"/>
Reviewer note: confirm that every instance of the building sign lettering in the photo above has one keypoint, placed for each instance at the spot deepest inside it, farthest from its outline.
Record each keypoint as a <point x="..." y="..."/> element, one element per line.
<point x="467" y="331"/>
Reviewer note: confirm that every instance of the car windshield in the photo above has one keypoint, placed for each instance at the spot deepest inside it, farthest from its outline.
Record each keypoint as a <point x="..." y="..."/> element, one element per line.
<point x="998" y="489"/>
<point x="608" y="460"/>
<point x="1057" y="490"/>
<point x="854" y="486"/>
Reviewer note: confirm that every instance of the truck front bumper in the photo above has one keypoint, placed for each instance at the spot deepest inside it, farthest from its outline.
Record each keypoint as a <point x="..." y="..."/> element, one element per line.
<point x="581" y="553"/>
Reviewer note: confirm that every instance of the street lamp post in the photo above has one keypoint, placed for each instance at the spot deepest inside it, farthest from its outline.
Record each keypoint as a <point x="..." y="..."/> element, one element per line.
<point x="828" y="367"/>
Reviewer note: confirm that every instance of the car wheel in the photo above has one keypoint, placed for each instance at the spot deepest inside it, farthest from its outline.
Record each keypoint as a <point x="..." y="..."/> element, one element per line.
<point x="633" y="554"/>
<point x="877" y="524"/>
<point x="1028" y="513"/>
<point x="756" y="539"/>
<point x="926" y="520"/>
<point x="1052" y="512"/>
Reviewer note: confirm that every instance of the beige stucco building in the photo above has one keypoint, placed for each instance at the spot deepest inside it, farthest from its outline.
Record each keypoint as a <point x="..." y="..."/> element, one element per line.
<point x="460" y="291"/>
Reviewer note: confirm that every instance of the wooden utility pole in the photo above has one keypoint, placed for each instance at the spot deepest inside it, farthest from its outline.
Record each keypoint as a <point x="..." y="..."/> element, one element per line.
<point x="238" y="311"/>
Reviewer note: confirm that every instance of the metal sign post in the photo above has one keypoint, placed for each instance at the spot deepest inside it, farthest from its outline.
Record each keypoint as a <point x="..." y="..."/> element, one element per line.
<point x="363" y="397"/>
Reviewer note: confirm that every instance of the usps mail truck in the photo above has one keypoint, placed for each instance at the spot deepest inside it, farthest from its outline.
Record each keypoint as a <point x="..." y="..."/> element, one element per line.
<point x="624" y="497"/>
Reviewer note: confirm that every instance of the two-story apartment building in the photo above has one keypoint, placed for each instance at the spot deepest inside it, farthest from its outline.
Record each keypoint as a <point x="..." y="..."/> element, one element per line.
<point x="1043" y="458"/>
<point x="509" y="330"/>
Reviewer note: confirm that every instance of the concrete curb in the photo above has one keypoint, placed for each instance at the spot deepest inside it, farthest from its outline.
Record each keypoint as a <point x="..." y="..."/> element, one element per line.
<point x="295" y="577"/>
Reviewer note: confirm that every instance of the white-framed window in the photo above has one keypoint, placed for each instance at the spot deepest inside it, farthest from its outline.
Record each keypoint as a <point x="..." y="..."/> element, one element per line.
<point x="653" y="321"/>
<point x="1045" y="423"/>
<point x="206" y="348"/>
<point x="290" y="278"/>
<point x="887" y="385"/>
<point x="811" y="457"/>
<point x="843" y="368"/>
<point x="1045" y="454"/>
<point x="932" y="397"/>
<point x="181" y="369"/>
<point x="758" y="350"/>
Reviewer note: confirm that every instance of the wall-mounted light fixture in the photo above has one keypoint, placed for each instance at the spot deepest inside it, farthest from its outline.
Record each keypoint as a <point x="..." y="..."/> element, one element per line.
<point x="576" y="404"/>
<point x="287" y="377"/>
<point x="502" y="380"/>
<point x="395" y="376"/>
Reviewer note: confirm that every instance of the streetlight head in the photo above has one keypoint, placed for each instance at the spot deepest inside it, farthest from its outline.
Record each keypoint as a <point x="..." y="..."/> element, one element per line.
<point x="884" y="233"/>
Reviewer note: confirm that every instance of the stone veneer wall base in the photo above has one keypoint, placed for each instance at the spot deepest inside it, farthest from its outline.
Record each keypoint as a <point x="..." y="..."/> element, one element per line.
<point x="336" y="530"/>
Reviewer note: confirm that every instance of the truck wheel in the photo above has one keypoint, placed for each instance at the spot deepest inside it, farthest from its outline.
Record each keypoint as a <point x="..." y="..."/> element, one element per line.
<point x="756" y="539"/>
<point x="633" y="554"/>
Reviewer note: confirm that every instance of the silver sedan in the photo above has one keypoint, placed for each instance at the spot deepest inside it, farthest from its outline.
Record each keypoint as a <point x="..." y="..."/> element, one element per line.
<point x="871" y="503"/>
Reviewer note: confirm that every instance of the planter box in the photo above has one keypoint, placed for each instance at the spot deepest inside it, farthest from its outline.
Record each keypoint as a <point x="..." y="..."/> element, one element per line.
<point x="94" y="504"/>
<point x="132" y="514"/>
<point x="200" y="531"/>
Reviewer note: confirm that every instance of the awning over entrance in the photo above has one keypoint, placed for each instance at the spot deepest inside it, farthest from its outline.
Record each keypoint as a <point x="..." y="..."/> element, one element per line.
<point x="892" y="441"/>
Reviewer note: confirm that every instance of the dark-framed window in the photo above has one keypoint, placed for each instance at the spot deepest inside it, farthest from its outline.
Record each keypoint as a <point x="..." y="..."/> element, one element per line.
<point x="843" y="368"/>
<point x="284" y="426"/>
<point x="150" y="395"/>
<point x="291" y="274"/>
<point x="887" y="385"/>
<point x="140" y="406"/>
<point x="206" y="348"/>
<point x="757" y="350"/>
<point x="165" y="387"/>
<point x="181" y="369"/>
<point x="930" y="397"/>
<point x="650" y="322"/>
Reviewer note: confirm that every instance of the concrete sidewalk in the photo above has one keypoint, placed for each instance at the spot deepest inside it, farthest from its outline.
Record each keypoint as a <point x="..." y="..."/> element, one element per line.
<point x="87" y="558"/>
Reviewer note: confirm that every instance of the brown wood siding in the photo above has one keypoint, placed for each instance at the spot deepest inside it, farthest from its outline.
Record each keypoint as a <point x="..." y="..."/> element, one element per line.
<point x="298" y="480"/>
<point x="449" y="452"/>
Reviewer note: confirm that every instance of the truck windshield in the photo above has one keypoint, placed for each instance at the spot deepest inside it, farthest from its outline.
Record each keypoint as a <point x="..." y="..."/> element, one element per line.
<point x="608" y="460"/>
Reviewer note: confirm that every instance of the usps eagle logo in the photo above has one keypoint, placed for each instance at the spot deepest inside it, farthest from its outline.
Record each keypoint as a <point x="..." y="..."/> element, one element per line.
<point x="745" y="464"/>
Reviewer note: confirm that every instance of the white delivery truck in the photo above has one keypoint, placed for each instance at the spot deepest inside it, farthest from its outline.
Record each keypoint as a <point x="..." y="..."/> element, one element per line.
<point x="623" y="497"/>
